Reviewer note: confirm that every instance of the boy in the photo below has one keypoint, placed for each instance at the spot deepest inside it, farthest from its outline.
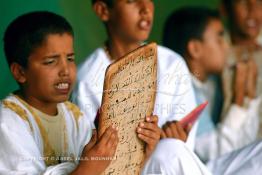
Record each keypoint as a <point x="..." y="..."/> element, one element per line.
<point x="244" y="24"/>
<point x="197" y="34"/>
<point x="128" y="25"/>
<point x="42" y="133"/>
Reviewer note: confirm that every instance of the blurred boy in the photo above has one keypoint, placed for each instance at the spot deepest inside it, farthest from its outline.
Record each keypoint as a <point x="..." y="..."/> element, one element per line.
<point x="197" y="34"/>
<point x="41" y="132"/>
<point x="244" y="24"/>
<point x="128" y="25"/>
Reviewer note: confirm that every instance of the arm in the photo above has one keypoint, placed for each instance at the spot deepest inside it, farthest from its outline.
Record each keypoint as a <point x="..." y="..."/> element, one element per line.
<point x="105" y="147"/>
<point x="149" y="132"/>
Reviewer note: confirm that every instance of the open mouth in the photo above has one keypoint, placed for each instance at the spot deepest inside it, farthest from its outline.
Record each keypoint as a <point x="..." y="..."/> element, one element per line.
<point x="62" y="86"/>
<point x="251" y="23"/>
<point x="145" y="24"/>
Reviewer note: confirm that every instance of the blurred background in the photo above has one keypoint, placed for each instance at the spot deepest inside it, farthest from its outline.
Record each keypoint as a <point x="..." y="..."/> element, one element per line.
<point x="89" y="31"/>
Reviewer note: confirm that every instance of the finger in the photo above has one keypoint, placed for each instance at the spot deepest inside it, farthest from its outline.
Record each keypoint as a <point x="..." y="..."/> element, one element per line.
<point x="251" y="79"/>
<point x="174" y="129"/>
<point x="113" y="137"/>
<point x="114" y="146"/>
<point x="181" y="132"/>
<point x="147" y="140"/>
<point x="163" y="134"/>
<point x="106" y="135"/>
<point x="148" y="133"/>
<point x="168" y="131"/>
<point x="152" y="119"/>
<point x="150" y="126"/>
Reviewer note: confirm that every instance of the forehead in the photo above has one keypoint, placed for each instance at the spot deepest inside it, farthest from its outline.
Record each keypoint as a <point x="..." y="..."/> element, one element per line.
<point x="55" y="43"/>
<point x="213" y="27"/>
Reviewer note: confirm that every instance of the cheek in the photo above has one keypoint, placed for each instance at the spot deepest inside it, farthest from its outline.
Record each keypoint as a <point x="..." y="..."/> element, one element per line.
<point x="240" y="15"/>
<point x="73" y="72"/>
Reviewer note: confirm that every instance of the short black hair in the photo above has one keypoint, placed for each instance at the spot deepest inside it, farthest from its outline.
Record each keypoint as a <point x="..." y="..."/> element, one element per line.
<point x="185" y="24"/>
<point x="109" y="3"/>
<point x="27" y="32"/>
<point x="228" y="4"/>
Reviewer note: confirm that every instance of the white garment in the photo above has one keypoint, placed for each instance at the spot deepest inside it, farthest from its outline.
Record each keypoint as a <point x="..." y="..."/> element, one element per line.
<point x="178" y="159"/>
<point x="174" y="98"/>
<point x="22" y="147"/>
<point x="244" y="161"/>
<point x="232" y="133"/>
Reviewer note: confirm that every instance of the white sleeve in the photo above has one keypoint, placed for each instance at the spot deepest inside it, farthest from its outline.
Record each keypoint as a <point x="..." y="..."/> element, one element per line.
<point x="19" y="152"/>
<point x="239" y="128"/>
<point x="174" y="157"/>
<point x="184" y="98"/>
<point x="246" y="160"/>
<point x="86" y="100"/>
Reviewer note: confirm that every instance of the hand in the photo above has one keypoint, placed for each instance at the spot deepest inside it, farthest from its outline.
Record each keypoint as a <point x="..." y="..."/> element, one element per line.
<point x="149" y="132"/>
<point x="251" y="78"/>
<point x="175" y="130"/>
<point x="92" y="141"/>
<point x="93" y="158"/>
<point x="240" y="83"/>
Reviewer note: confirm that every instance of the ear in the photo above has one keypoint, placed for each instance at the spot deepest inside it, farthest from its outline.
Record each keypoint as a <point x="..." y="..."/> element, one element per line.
<point x="18" y="72"/>
<point x="101" y="10"/>
<point x="194" y="49"/>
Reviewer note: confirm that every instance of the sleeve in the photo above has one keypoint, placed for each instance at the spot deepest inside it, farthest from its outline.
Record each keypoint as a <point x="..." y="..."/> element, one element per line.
<point x="184" y="100"/>
<point x="246" y="160"/>
<point x="239" y="128"/>
<point x="20" y="154"/>
<point x="174" y="157"/>
<point x="83" y="97"/>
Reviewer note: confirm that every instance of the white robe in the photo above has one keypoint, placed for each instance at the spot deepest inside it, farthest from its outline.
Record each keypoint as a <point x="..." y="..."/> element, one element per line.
<point x="238" y="129"/>
<point x="174" y="98"/>
<point x="22" y="145"/>
<point x="178" y="159"/>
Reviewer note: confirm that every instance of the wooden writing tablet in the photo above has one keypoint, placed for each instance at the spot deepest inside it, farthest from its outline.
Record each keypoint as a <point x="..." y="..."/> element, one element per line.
<point x="129" y="96"/>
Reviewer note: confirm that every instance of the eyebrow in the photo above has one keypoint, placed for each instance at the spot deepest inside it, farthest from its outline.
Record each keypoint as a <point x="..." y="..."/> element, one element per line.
<point x="58" y="55"/>
<point x="221" y="33"/>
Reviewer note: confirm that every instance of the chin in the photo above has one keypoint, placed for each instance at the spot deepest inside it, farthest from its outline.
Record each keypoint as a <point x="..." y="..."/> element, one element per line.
<point x="62" y="98"/>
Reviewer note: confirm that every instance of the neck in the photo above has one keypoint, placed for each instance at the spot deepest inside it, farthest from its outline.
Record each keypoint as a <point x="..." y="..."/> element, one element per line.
<point x="45" y="107"/>
<point x="197" y="71"/>
<point x="243" y="40"/>
<point x="117" y="49"/>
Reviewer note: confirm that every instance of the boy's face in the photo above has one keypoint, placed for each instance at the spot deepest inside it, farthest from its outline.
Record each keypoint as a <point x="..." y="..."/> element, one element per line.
<point x="247" y="16"/>
<point x="213" y="47"/>
<point x="51" y="70"/>
<point x="131" y="20"/>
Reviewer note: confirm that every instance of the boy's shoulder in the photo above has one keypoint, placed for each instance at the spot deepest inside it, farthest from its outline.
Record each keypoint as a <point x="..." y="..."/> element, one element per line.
<point x="77" y="113"/>
<point x="164" y="52"/>
<point x="168" y="59"/>
<point x="93" y="63"/>
<point x="11" y="110"/>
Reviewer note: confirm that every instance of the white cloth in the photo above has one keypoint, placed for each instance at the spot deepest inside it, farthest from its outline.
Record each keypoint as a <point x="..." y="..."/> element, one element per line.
<point x="173" y="157"/>
<point x="174" y="98"/>
<point x="22" y="145"/>
<point x="240" y="162"/>
<point x="178" y="159"/>
<point x="232" y="133"/>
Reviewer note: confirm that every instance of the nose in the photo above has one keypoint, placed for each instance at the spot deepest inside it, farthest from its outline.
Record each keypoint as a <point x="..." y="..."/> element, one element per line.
<point x="253" y="7"/>
<point x="64" y="68"/>
<point x="145" y="6"/>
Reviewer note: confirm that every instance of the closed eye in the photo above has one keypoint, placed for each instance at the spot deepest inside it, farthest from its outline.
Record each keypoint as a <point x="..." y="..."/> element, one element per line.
<point x="71" y="57"/>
